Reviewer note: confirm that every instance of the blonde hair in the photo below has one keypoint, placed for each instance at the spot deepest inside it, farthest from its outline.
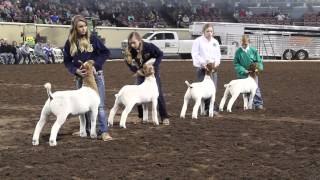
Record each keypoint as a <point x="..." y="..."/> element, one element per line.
<point x="84" y="42"/>
<point x="139" y="38"/>
<point x="245" y="39"/>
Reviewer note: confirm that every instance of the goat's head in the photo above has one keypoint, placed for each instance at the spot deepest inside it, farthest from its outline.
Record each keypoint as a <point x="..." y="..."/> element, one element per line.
<point x="253" y="69"/>
<point x="148" y="70"/>
<point x="210" y="68"/>
<point x="88" y="65"/>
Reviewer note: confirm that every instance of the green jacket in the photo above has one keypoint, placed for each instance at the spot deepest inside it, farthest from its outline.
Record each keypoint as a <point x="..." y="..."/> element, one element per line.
<point x="242" y="61"/>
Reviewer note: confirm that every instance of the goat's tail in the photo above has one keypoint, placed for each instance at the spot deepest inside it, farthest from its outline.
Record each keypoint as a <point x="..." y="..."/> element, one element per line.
<point x="48" y="88"/>
<point x="226" y="85"/>
<point x="188" y="84"/>
<point x="116" y="95"/>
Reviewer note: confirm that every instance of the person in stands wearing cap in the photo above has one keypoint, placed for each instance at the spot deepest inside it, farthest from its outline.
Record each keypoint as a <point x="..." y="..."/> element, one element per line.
<point x="79" y="48"/>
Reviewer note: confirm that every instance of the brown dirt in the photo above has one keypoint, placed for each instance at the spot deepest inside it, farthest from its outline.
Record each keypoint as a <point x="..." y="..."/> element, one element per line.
<point x="280" y="143"/>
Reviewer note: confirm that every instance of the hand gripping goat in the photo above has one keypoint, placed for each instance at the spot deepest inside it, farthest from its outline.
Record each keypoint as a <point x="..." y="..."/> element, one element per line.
<point x="245" y="86"/>
<point x="199" y="92"/>
<point x="74" y="102"/>
<point x="131" y="95"/>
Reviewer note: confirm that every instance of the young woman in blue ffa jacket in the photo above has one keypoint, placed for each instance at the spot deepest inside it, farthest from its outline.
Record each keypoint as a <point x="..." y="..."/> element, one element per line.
<point x="141" y="52"/>
<point x="79" y="48"/>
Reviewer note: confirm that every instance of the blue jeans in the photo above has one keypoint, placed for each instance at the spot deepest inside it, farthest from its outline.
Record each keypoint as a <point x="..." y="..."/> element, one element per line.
<point x="257" y="100"/>
<point x="161" y="101"/>
<point x="102" y="123"/>
<point x="200" y="76"/>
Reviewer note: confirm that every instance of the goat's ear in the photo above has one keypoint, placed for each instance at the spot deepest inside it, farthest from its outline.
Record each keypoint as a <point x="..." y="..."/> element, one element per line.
<point x="151" y="61"/>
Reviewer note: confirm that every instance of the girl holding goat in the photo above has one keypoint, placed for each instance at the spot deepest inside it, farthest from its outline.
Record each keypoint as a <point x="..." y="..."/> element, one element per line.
<point x="205" y="50"/>
<point x="79" y="48"/>
<point x="137" y="54"/>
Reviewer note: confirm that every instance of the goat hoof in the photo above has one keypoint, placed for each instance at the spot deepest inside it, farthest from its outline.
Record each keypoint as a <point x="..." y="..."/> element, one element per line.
<point x="124" y="127"/>
<point x="83" y="134"/>
<point x="221" y="110"/>
<point x="35" y="142"/>
<point x="229" y="110"/>
<point x="93" y="136"/>
<point x="194" y="117"/>
<point x="52" y="143"/>
<point x="182" y="117"/>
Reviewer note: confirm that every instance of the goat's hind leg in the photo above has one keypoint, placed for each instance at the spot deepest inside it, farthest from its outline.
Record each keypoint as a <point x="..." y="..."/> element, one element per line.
<point x="224" y="98"/>
<point x="124" y="115"/>
<point x="232" y="100"/>
<point x="196" y="108"/>
<point x="42" y="121"/>
<point x="113" y="112"/>
<point x="56" y="127"/>
<point x="185" y="104"/>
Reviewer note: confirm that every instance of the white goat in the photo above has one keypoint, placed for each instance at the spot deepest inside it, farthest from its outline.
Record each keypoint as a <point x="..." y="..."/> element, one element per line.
<point x="73" y="102"/>
<point x="131" y="95"/>
<point x="199" y="92"/>
<point x="245" y="86"/>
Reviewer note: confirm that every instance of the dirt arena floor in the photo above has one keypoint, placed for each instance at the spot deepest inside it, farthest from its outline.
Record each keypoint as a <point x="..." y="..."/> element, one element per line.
<point x="282" y="142"/>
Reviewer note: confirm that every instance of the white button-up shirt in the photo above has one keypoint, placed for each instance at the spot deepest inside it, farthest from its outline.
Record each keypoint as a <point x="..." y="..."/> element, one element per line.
<point x="246" y="49"/>
<point x="204" y="52"/>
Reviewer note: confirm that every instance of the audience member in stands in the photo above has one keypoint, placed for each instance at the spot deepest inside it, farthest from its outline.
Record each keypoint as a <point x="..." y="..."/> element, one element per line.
<point x="39" y="52"/>
<point x="25" y="53"/>
<point x="16" y="52"/>
<point x="48" y="50"/>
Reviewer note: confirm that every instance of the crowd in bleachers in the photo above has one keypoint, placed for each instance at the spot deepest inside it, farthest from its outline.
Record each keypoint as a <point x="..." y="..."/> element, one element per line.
<point x="135" y="13"/>
<point x="311" y="19"/>
<point x="12" y="53"/>
<point x="247" y="16"/>
<point x="144" y="13"/>
<point x="184" y="12"/>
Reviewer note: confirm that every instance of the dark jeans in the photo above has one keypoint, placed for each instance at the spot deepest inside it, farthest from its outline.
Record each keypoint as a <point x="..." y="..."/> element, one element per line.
<point x="25" y="56"/>
<point x="200" y="76"/>
<point x="53" y="60"/>
<point x="161" y="101"/>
